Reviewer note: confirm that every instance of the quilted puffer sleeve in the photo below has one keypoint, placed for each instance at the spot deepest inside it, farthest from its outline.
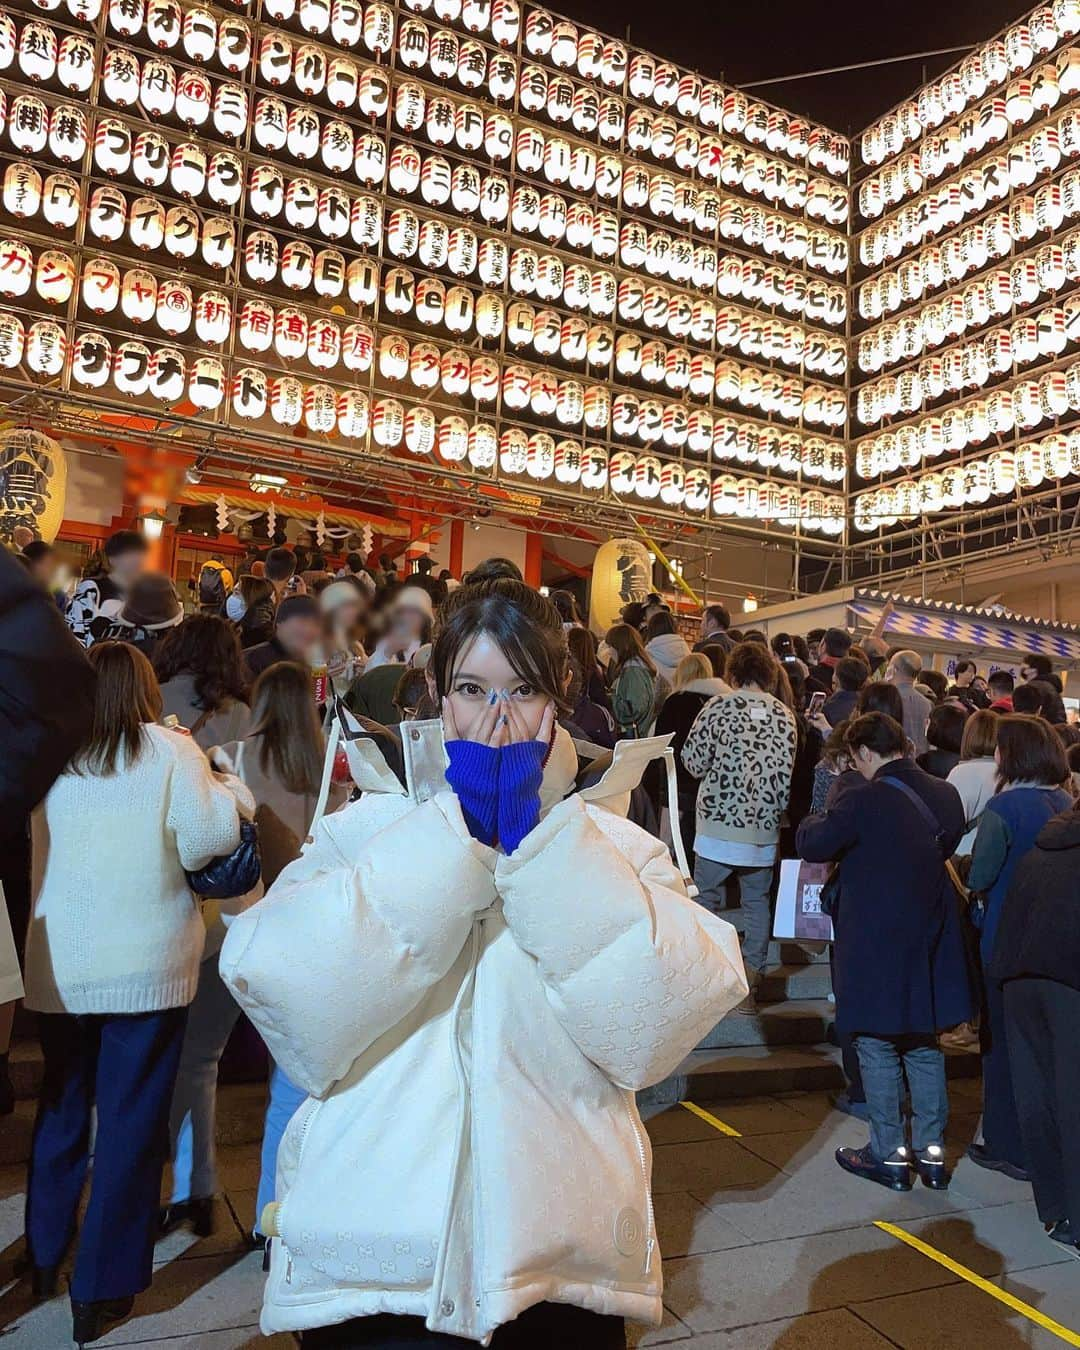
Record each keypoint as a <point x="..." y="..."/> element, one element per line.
<point x="343" y="947"/>
<point x="635" y="971"/>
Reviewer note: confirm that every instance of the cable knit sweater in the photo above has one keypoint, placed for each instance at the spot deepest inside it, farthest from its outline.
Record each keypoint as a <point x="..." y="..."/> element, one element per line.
<point x="114" y="927"/>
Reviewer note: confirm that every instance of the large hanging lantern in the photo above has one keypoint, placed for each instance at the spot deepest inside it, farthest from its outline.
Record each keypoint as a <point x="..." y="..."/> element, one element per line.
<point x="353" y="414"/>
<point x="91" y="360"/>
<point x="46" y="348"/>
<point x="286" y="401"/>
<point x="420" y="431"/>
<point x="167" y="375"/>
<point x="100" y="285"/>
<point x="38" y="52"/>
<point x="139" y="295"/>
<point x="256" y="326"/>
<point x="320" y="409"/>
<point x="250" y="393"/>
<point x="22" y="193"/>
<point x="206" y="383"/>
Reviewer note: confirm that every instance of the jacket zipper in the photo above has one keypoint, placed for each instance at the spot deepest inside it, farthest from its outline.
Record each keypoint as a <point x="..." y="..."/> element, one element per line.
<point x="281" y="1208"/>
<point x="650" y="1243"/>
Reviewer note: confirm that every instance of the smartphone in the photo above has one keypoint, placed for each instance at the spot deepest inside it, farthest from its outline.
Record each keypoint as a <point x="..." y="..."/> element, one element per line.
<point x="817" y="702"/>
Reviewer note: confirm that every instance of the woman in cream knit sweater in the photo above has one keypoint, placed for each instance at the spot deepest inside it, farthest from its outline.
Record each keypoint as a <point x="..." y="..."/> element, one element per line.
<point x="112" y="962"/>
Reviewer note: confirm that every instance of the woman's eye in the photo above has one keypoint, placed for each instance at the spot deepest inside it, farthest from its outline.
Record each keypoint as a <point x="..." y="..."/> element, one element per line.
<point x="524" y="691"/>
<point x="469" y="689"/>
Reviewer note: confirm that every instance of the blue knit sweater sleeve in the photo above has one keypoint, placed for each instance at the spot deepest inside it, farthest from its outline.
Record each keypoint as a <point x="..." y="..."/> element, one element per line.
<point x="521" y="771"/>
<point x="473" y="773"/>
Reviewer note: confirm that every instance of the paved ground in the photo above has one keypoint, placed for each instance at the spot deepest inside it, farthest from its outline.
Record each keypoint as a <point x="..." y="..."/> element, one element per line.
<point x="768" y="1246"/>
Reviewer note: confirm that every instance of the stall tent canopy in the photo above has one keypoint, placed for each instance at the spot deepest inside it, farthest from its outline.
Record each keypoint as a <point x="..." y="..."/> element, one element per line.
<point x="934" y="628"/>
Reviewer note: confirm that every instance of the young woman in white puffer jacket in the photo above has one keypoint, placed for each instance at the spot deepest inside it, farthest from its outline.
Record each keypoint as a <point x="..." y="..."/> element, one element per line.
<point x="470" y="978"/>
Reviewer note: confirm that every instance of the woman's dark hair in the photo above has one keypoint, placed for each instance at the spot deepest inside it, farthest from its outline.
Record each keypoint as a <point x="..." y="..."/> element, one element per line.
<point x="1073" y="756"/>
<point x="980" y="735"/>
<point x="492" y="569"/>
<point x="126" y="695"/>
<point x="961" y="666"/>
<point x="660" y="625"/>
<point x="878" y="696"/>
<point x="633" y="614"/>
<point x="797" y="680"/>
<point x="627" y="645"/>
<point x="851" y="673"/>
<point x="752" y="663"/>
<point x="802" y="651"/>
<point x="1029" y="751"/>
<point x="281" y="564"/>
<point x="208" y="647"/>
<point x="286" y="721"/>
<point x="565" y="603"/>
<point x="412" y="697"/>
<point x="1069" y="734"/>
<point x="946" y="727"/>
<point x="253" y="590"/>
<point x="782" y="689"/>
<point x="783" y="646"/>
<point x="582" y="644"/>
<point x="522" y="623"/>
<point x="717" y="659"/>
<point x="935" y="681"/>
<point x="1029" y="698"/>
<point x="878" y="732"/>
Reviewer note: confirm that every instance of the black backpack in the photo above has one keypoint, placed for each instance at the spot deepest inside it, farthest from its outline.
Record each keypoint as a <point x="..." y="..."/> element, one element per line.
<point x="212" y="587"/>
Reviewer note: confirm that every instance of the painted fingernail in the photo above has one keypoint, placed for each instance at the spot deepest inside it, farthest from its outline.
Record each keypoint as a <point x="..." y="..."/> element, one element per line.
<point x="502" y="721"/>
<point x="493" y="698"/>
<point x="504" y="695"/>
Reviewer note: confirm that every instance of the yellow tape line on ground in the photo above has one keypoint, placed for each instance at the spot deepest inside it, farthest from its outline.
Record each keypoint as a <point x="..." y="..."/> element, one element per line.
<point x="716" y="1124"/>
<point x="1002" y="1296"/>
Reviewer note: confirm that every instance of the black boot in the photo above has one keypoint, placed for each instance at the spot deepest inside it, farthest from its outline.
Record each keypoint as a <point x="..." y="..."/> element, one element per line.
<point x="199" y="1213"/>
<point x="45" y="1282"/>
<point x="90" y="1321"/>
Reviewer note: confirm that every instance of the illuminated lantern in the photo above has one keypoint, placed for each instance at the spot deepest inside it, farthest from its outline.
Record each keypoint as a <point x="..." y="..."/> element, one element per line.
<point x="131" y="368"/>
<point x="193" y="98"/>
<point x="320" y="409"/>
<point x="230" y="110"/>
<point x="439" y="123"/>
<point x="460" y="308"/>
<point x="344" y="86"/>
<point x="286" y="400"/>
<point x="7" y="41"/>
<point x="150" y="160"/>
<point x="22" y="194"/>
<point x="502" y="77"/>
<point x="453" y="439"/>
<point x="249" y="393"/>
<point x="378" y="28"/>
<point x="461" y="255"/>
<point x="234" y="45"/>
<point x="444" y="53"/>
<point x="126" y="16"/>
<point x="402" y="233"/>
<point x="358" y="347"/>
<point x="174" y="307"/>
<point x="199" y="35"/>
<point x="206" y="383"/>
<point x="430" y="301"/>
<point x="187" y="172"/>
<point x="139" y="295"/>
<point x="409" y="106"/>
<point x="514" y="450"/>
<point x="471" y="65"/>
<point x="435" y="181"/>
<point x="414" y="44"/>
<point x="314" y="15"/>
<point x="256" y="326"/>
<point x="297" y="265"/>
<point x="45" y="348"/>
<point x="493" y="262"/>
<point x="28" y="127"/>
<point x="167" y="374"/>
<point x="505" y="22"/>
<point x="38" y="50"/>
<point x="352" y="414"/>
<point x="67" y="133"/>
<point x="75" y="63"/>
<point x="405" y="165"/>
<point x="260" y="257"/>
<point x="301" y="204"/>
<point x="540" y="456"/>
<point x="91" y="360"/>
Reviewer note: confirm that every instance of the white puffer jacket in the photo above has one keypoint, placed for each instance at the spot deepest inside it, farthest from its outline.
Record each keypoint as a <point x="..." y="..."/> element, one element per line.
<point x="471" y="1028"/>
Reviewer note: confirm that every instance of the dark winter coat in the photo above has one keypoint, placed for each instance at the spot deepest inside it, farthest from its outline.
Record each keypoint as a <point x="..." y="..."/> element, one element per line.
<point x="899" y="966"/>
<point x="1038" y="933"/>
<point x="677" y="716"/>
<point x="840" y="706"/>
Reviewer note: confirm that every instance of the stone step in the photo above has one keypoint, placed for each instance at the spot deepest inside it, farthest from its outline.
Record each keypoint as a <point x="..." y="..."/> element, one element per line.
<point x="786" y="982"/>
<point x="752" y="1071"/>
<point x="795" y="1022"/>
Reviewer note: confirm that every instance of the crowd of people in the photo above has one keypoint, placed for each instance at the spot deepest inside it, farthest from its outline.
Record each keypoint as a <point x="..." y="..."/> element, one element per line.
<point x="431" y="919"/>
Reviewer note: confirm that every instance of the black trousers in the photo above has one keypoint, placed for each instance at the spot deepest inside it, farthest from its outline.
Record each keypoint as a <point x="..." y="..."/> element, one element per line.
<point x="547" y="1326"/>
<point x="1042" y="1021"/>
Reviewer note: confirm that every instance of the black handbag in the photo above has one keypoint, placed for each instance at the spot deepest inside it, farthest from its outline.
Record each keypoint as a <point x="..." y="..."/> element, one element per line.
<point x="234" y="873"/>
<point x="830" y="894"/>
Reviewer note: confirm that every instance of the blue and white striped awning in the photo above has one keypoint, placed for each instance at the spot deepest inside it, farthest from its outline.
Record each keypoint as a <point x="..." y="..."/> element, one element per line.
<point x="965" y="627"/>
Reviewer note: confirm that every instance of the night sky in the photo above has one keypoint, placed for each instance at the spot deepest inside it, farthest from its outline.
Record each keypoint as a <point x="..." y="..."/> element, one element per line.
<point x="743" y="40"/>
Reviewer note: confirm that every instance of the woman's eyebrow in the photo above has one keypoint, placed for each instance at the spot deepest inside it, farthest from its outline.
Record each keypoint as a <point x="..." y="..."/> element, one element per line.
<point x="465" y="675"/>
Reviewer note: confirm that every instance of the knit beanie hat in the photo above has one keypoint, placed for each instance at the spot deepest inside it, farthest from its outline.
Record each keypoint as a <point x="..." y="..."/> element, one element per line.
<point x="414" y="597"/>
<point x="152" y="602"/>
<point x="339" y="593"/>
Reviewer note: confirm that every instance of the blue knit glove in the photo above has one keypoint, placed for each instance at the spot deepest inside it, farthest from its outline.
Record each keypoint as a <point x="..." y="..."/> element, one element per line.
<point x="474" y="775"/>
<point x="521" y="771"/>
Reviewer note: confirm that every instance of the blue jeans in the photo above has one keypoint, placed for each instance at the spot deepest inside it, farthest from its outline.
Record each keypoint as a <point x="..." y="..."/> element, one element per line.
<point x="126" y="1067"/>
<point x="884" y="1061"/>
<point x="211" y="1019"/>
<point x="285" y="1100"/>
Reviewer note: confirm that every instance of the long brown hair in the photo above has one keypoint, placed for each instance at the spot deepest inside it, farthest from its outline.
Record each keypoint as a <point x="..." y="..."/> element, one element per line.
<point x="285" y="719"/>
<point x="125" y="697"/>
<point x="627" y="645"/>
<point x="207" y="647"/>
<point x="1029" y="751"/>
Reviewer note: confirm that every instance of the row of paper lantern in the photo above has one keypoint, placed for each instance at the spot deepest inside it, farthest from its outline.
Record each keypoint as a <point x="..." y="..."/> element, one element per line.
<point x="988" y="67"/>
<point x="165" y="373"/>
<point x="199" y="37"/>
<point x="120" y="149"/>
<point x="603" y="61"/>
<point x="991" y="180"/>
<point x="973" y="484"/>
<point x="988" y="124"/>
<point x="995" y="295"/>
<point x="972" y="365"/>
<point x="984" y="241"/>
<point x="1023" y="406"/>
<point x="326" y="271"/>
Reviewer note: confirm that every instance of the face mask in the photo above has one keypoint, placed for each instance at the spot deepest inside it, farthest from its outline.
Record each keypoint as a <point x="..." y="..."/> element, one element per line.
<point x="235" y="607"/>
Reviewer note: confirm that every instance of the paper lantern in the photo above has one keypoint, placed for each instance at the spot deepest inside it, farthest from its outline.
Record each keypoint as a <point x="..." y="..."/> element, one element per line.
<point x="250" y="393"/>
<point x="430" y="301"/>
<point x="206" y="383"/>
<point x="261" y="257"/>
<point x="352" y="414"/>
<point x="100" y="285"/>
<point x="234" y="45"/>
<point x="126" y="16"/>
<point x="388" y="422"/>
<point x="314" y="15"/>
<point x="514" y="450"/>
<point x="91" y="360"/>
<point x="505" y="22"/>
<point x="174" y="307"/>
<point x="358" y="347"/>
<point x="199" y="34"/>
<point x="168" y="375"/>
<point x="12" y="346"/>
<point x="75" y="63"/>
<point x="286" y="401"/>
<point x="453" y="439"/>
<point x="22" y="194"/>
<point x="320" y="409"/>
<point x="378" y="28"/>
<point x="256" y="326"/>
<point x="46" y="347"/>
<point x="297" y="265"/>
<point x="28" y="127"/>
<point x="139" y="295"/>
<point x="38" y="52"/>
